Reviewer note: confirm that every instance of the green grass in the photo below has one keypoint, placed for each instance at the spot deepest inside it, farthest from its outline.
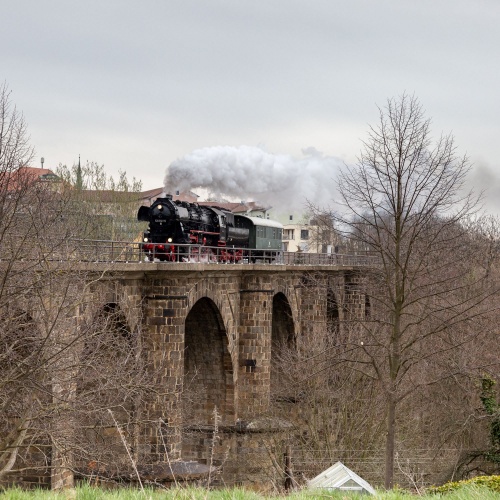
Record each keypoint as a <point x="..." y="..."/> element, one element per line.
<point x="467" y="492"/>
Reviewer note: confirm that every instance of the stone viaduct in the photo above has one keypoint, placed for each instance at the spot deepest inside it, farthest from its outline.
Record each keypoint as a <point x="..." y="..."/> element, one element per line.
<point x="219" y="327"/>
<point x="209" y="335"/>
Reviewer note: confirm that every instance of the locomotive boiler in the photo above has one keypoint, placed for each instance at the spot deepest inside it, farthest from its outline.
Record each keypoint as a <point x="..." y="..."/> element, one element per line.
<point x="181" y="231"/>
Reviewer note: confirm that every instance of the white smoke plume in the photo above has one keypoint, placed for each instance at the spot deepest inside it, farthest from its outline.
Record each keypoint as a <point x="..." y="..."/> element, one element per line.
<point x="251" y="174"/>
<point x="484" y="179"/>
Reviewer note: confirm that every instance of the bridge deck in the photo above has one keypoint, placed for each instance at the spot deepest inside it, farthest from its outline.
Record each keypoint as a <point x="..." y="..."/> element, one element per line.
<point x="99" y="251"/>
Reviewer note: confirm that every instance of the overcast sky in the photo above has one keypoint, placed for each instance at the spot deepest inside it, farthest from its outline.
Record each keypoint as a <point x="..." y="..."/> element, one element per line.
<point x="137" y="85"/>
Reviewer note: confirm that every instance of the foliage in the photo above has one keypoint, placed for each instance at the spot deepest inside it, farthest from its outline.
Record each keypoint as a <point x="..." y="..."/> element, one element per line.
<point x="492" y="409"/>
<point x="490" y="482"/>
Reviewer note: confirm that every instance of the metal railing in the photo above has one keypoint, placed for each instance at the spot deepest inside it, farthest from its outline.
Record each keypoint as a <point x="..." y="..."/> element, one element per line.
<point x="134" y="252"/>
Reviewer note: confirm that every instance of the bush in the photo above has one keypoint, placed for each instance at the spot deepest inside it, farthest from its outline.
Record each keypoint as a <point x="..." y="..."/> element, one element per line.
<point x="490" y="482"/>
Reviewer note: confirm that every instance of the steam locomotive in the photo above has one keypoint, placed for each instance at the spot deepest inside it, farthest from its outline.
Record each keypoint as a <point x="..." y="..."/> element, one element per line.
<point x="181" y="231"/>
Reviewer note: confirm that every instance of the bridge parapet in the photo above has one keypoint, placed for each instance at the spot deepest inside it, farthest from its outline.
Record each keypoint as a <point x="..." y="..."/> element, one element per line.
<point x="130" y="252"/>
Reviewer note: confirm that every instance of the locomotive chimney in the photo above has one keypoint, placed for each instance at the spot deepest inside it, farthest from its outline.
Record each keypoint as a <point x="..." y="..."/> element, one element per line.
<point x="168" y="196"/>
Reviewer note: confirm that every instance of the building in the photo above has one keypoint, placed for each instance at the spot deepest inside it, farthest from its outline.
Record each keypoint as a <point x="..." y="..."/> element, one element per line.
<point x="24" y="177"/>
<point x="296" y="238"/>
<point x="148" y="197"/>
<point x="301" y="233"/>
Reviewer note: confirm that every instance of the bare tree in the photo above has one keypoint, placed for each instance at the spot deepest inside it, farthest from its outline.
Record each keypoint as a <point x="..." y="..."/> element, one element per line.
<point x="110" y="203"/>
<point x="93" y="177"/>
<point x="331" y="410"/>
<point x="67" y="354"/>
<point x="404" y="201"/>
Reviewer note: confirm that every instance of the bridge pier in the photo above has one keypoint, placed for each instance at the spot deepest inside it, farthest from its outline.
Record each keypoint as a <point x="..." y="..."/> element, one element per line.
<point x="163" y="343"/>
<point x="254" y="351"/>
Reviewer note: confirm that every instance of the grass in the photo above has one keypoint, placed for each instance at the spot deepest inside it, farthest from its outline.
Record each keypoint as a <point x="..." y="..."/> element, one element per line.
<point x="469" y="492"/>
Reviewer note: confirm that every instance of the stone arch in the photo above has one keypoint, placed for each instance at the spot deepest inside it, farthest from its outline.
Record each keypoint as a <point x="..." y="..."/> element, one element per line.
<point x="288" y="289"/>
<point x="109" y="377"/>
<point x="333" y="312"/>
<point x="208" y="367"/>
<point x="283" y="330"/>
<point x="127" y="297"/>
<point x="107" y="331"/>
<point x="227" y="309"/>
<point x="23" y="354"/>
<point x="282" y="338"/>
<point x="107" y="338"/>
<point x="367" y="307"/>
<point x="337" y="311"/>
<point x="20" y="340"/>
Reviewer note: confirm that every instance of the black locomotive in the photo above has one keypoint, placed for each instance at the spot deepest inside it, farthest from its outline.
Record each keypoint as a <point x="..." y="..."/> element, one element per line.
<point x="182" y="231"/>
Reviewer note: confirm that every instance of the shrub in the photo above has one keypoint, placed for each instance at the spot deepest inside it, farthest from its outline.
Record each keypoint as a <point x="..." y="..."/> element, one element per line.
<point x="490" y="482"/>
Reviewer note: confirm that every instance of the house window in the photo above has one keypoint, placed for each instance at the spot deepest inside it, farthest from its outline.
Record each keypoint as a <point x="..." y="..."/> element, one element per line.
<point x="304" y="234"/>
<point x="291" y="217"/>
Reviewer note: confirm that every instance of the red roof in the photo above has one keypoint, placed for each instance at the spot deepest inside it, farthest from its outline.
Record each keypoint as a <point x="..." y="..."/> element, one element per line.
<point x="25" y="176"/>
<point x="152" y="194"/>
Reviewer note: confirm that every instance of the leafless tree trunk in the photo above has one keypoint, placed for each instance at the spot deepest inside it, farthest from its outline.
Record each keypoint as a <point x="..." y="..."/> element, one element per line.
<point x="404" y="201"/>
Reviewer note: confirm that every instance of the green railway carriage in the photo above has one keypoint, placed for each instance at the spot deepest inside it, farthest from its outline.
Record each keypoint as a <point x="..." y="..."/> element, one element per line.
<point x="264" y="234"/>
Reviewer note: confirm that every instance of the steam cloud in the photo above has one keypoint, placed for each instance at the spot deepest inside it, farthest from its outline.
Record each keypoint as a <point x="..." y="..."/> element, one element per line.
<point x="251" y="174"/>
<point x="483" y="178"/>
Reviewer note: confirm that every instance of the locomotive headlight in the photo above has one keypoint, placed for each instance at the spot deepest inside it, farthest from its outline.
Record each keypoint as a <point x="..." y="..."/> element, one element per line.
<point x="160" y="207"/>
<point x="170" y="240"/>
<point x="146" y="240"/>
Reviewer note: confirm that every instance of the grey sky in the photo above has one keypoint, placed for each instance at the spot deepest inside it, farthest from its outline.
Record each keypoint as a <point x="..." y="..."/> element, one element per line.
<point x="137" y="85"/>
